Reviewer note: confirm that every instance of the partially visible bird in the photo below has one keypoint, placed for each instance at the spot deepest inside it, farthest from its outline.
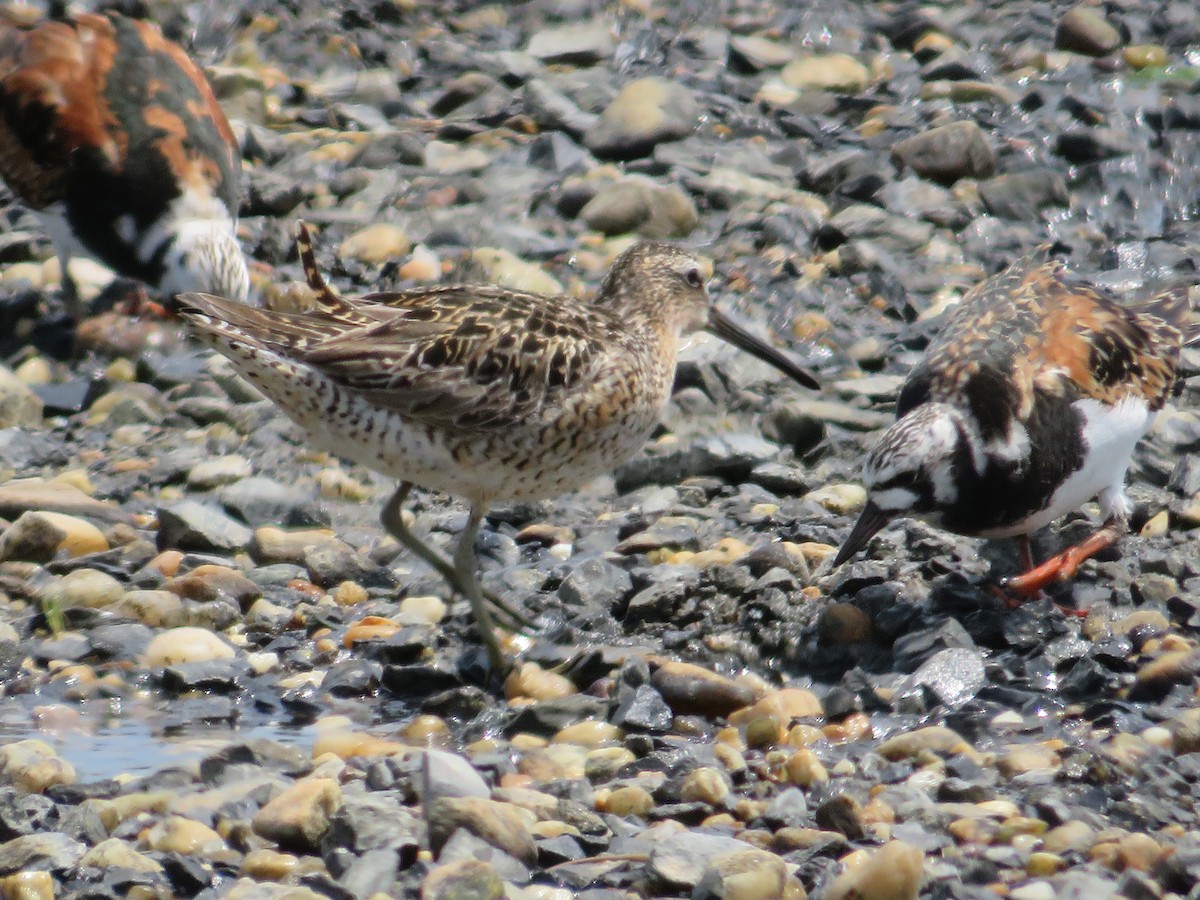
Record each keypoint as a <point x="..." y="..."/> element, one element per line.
<point x="478" y="391"/>
<point x="112" y="135"/>
<point x="1028" y="404"/>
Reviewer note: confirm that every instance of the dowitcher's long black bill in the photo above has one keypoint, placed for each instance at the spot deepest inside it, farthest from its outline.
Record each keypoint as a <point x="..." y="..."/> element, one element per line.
<point x="728" y="330"/>
<point x="870" y="521"/>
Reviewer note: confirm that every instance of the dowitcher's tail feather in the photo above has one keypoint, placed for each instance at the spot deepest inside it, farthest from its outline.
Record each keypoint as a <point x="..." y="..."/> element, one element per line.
<point x="327" y="297"/>
<point x="289" y="332"/>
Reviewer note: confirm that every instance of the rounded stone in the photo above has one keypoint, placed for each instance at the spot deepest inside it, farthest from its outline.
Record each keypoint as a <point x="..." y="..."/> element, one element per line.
<point x="892" y="872"/>
<point x="39" y="536"/>
<point x="183" y="645"/>
<point x="33" y="766"/>
<point x="86" y="588"/>
<point x="376" y="244"/>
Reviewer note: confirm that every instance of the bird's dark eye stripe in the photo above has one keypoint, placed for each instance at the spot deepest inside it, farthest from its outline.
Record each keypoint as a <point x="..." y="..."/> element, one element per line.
<point x="900" y="479"/>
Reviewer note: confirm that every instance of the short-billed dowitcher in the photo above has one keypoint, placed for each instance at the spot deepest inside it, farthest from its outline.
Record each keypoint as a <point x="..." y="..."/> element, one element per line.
<point x="113" y="136"/>
<point x="1027" y="405"/>
<point x="478" y="391"/>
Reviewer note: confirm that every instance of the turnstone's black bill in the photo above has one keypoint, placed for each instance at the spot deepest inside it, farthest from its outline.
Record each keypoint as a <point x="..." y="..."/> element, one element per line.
<point x="1027" y="405"/>
<point x="114" y="137"/>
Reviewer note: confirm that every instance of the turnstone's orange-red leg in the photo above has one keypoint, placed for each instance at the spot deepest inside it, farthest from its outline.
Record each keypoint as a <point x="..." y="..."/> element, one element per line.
<point x="1064" y="565"/>
<point x="1025" y="552"/>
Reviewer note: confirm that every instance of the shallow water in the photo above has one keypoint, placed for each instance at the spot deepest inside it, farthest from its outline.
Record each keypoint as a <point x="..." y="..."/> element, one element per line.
<point x="105" y="746"/>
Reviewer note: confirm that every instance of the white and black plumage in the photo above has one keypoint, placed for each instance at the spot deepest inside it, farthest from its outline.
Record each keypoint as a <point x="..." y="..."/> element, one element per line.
<point x="1027" y="405"/>
<point x="113" y="136"/>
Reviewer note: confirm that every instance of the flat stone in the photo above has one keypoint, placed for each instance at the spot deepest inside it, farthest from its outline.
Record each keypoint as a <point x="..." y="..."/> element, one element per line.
<point x="189" y="525"/>
<point x="500" y="824"/>
<point x="680" y="861"/>
<point x="49" y="850"/>
<point x="577" y="44"/>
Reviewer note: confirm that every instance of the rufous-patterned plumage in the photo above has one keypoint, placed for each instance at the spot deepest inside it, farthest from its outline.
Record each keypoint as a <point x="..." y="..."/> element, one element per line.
<point x="486" y="393"/>
<point x="113" y="136"/>
<point x="1028" y="404"/>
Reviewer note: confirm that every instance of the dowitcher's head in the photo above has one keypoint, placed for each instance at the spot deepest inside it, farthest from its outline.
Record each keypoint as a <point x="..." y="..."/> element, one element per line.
<point x="664" y="286"/>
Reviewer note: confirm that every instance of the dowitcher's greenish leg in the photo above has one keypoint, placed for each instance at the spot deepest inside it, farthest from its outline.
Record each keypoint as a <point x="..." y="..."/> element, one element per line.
<point x="393" y="520"/>
<point x="466" y="574"/>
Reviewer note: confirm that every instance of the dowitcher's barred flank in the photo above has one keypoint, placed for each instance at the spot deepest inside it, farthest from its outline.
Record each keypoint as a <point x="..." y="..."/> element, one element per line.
<point x="478" y="391"/>
<point x="1028" y="404"/>
<point x="113" y="136"/>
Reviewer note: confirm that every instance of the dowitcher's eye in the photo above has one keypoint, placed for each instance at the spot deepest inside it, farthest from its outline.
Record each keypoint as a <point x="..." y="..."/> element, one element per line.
<point x="694" y="278"/>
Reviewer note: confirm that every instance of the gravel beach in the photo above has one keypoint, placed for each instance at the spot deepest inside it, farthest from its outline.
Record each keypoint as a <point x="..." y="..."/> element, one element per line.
<point x="220" y="678"/>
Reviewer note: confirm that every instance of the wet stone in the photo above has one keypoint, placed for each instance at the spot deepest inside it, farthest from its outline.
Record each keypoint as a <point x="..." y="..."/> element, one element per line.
<point x="266" y="501"/>
<point x="595" y="583"/>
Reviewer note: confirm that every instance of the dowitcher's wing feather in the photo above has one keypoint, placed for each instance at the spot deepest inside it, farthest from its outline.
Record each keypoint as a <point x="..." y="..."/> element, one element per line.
<point x="467" y="358"/>
<point x="477" y="357"/>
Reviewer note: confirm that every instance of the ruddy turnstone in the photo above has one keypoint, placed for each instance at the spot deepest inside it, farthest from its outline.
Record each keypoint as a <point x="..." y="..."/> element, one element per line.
<point x="113" y="136"/>
<point x="486" y="393"/>
<point x="1028" y="404"/>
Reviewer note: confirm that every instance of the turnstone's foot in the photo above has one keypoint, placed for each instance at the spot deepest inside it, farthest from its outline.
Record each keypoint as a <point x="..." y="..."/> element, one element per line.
<point x="1063" y="566"/>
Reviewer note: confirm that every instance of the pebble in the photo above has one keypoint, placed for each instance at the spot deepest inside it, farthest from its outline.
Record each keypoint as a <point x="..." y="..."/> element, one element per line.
<point x="298" y="817"/>
<point x="947" y="153"/>
<point x="893" y="872"/>
<point x="39" y="536"/>
<point x="20" y="406"/>
<point x="1084" y="29"/>
<point x="190" y="525"/>
<point x="645" y="113"/>
<point x="213" y="473"/>
<point x="583" y="44"/>
<point x="842" y="499"/>
<point x="747" y="875"/>
<point x="838" y="72"/>
<point x="500" y="824"/>
<point x="33" y="766"/>
<point x="376" y="244"/>
<point x="185" y="645"/>
<point x="499" y="266"/>
<point x="637" y="204"/>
